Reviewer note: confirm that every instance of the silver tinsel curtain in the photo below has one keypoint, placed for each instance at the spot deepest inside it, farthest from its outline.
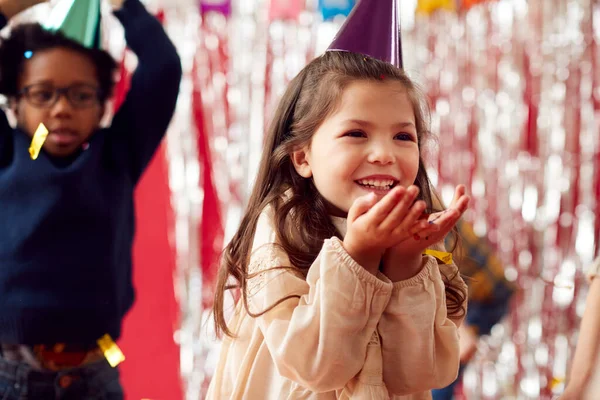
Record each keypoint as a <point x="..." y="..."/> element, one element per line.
<point x="514" y="93"/>
<point x="514" y="90"/>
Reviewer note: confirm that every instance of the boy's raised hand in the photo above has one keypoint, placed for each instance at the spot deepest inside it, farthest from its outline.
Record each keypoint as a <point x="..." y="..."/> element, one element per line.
<point x="374" y="226"/>
<point x="116" y="4"/>
<point x="10" y="8"/>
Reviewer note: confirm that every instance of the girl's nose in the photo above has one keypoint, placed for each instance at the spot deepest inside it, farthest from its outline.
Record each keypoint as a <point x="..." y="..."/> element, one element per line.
<point x="381" y="153"/>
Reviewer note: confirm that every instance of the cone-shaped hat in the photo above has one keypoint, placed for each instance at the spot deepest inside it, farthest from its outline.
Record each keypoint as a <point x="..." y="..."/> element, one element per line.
<point x="372" y="29"/>
<point x="79" y="20"/>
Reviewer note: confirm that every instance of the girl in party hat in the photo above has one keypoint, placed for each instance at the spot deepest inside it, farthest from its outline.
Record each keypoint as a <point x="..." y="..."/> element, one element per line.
<point x="66" y="190"/>
<point x="339" y="295"/>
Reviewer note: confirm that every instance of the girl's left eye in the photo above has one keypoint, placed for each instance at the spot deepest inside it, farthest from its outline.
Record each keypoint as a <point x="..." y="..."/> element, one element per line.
<point x="404" y="137"/>
<point x="356" y="134"/>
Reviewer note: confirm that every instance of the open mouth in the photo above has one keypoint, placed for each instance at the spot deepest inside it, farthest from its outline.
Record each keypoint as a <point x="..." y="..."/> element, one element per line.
<point x="377" y="184"/>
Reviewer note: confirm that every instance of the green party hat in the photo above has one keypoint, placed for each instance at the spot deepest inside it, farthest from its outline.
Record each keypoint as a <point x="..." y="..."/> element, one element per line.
<point x="78" y="20"/>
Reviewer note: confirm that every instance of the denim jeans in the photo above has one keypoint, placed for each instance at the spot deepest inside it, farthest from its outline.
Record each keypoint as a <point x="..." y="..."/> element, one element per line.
<point x="447" y="393"/>
<point x="95" y="381"/>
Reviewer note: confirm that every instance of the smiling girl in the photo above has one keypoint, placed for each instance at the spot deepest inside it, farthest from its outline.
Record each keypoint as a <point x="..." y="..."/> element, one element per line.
<point x="338" y="300"/>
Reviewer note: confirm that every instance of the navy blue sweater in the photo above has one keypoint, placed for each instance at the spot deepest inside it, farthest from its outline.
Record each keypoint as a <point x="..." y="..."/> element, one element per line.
<point x="66" y="231"/>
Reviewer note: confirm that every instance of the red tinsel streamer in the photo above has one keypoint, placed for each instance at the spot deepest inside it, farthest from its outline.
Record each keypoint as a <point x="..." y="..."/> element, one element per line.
<point x="211" y="228"/>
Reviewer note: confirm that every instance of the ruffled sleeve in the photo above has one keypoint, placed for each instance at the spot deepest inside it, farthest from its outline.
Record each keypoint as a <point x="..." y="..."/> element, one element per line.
<point x="420" y="344"/>
<point x="319" y="336"/>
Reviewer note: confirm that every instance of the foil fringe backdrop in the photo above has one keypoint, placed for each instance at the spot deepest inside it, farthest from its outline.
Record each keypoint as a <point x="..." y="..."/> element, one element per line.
<point x="514" y="97"/>
<point x="515" y="110"/>
<point x="514" y="101"/>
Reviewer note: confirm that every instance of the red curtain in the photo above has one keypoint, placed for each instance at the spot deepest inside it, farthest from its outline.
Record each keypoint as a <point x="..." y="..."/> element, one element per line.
<point x="211" y="228"/>
<point x="151" y="370"/>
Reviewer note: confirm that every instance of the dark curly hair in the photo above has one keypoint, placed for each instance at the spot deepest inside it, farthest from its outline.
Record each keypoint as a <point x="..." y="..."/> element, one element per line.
<point x="34" y="38"/>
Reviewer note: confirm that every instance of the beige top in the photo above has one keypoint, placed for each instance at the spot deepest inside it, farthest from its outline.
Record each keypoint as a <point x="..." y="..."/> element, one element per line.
<point x="349" y="335"/>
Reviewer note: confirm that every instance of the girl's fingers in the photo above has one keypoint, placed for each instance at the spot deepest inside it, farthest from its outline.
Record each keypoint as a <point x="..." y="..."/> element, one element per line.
<point x="361" y="206"/>
<point x="408" y="222"/>
<point x="445" y="217"/>
<point x="384" y="206"/>
<point x="445" y="220"/>
<point x="438" y="225"/>
<point x="449" y="219"/>
<point x="463" y="203"/>
<point x="459" y="207"/>
<point x="458" y="193"/>
<point x="397" y="215"/>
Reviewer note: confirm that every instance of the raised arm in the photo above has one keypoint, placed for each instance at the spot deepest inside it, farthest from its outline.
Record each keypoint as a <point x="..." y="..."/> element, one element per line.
<point x="142" y="120"/>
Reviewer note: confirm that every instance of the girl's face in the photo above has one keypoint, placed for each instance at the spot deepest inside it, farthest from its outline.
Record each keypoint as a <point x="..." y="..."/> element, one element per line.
<point x="59" y="88"/>
<point x="368" y="145"/>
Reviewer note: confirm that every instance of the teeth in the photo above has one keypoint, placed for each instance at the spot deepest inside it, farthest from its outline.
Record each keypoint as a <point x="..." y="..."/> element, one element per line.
<point x="377" y="183"/>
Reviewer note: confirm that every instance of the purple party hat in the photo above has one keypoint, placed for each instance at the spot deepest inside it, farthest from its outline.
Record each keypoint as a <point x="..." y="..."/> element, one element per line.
<point x="372" y="29"/>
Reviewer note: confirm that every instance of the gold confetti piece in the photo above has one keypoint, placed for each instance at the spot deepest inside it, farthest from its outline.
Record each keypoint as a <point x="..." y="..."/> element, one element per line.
<point x="111" y="351"/>
<point x="39" y="137"/>
<point x="444" y="257"/>
<point x="59" y="347"/>
<point x="556" y="381"/>
<point x="429" y="6"/>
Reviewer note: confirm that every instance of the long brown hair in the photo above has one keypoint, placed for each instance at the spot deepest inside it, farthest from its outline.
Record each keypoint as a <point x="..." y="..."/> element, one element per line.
<point x="302" y="220"/>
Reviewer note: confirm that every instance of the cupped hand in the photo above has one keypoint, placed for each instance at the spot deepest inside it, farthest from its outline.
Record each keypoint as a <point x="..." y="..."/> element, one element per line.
<point x="375" y="225"/>
<point x="425" y="233"/>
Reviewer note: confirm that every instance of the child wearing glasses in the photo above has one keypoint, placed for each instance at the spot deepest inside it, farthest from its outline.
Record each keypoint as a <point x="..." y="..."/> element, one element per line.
<point x="67" y="217"/>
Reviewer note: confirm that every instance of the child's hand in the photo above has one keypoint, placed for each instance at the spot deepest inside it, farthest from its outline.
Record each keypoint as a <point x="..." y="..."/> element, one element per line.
<point x="116" y="4"/>
<point x="374" y="226"/>
<point x="10" y="8"/>
<point x="425" y="233"/>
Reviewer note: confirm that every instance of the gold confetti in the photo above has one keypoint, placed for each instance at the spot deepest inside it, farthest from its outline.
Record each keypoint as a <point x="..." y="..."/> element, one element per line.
<point x="59" y="347"/>
<point x="39" y="137"/>
<point x="556" y="381"/>
<point x="111" y="351"/>
<point x="429" y="6"/>
<point x="444" y="257"/>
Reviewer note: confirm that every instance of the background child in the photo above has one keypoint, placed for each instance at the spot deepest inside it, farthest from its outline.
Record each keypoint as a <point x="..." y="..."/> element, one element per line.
<point x="584" y="380"/>
<point x="333" y="307"/>
<point x="489" y="296"/>
<point x="68" y="217"/>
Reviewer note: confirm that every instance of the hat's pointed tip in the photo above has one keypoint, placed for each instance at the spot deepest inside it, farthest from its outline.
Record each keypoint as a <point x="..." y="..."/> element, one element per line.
<point x="79" y="20"/>
<point x="372" y="29"/>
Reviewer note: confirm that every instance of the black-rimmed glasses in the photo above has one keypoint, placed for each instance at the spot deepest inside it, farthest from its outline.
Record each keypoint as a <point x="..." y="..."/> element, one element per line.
<point x="44" y="96"/>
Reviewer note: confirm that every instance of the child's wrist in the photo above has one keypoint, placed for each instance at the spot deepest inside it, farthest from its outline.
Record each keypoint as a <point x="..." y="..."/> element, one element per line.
<point x="400" y="267"/>
<point x="369" y="259"/>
